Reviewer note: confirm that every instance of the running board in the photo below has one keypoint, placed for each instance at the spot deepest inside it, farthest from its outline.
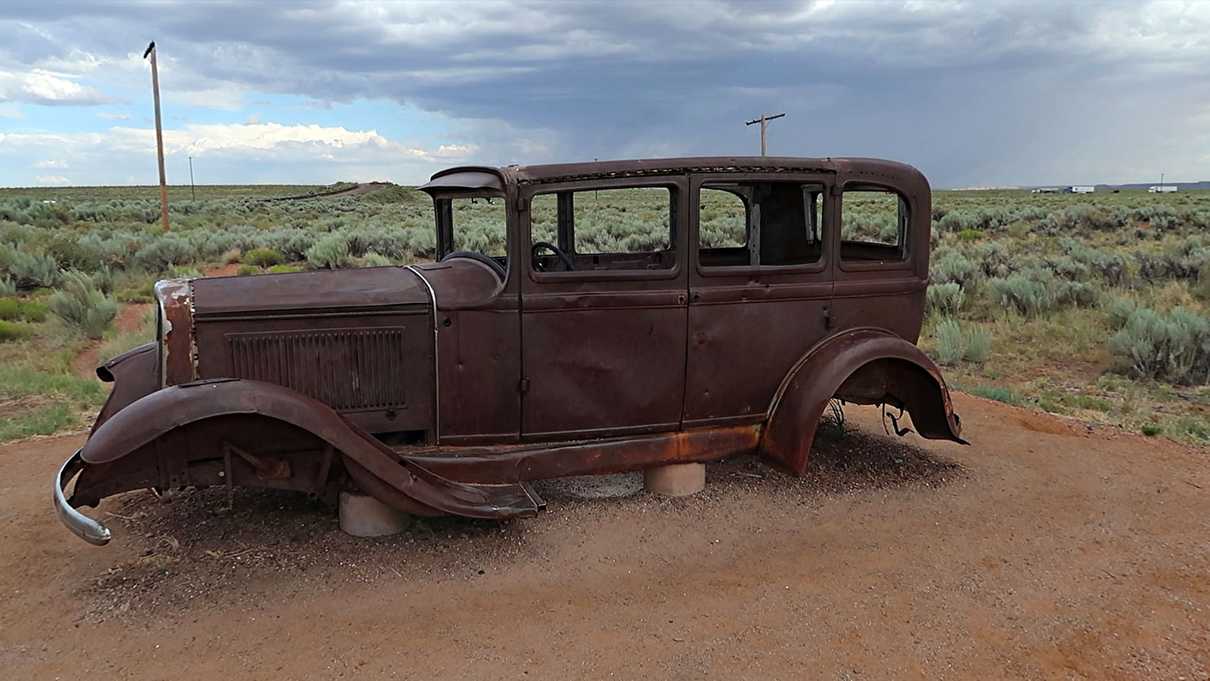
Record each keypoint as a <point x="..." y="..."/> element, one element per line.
<point x="410" y="486"/>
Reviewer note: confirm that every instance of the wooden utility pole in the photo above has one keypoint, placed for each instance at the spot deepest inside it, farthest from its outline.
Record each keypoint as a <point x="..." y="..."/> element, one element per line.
<point x="764" y="123"/>
<point x="159" y="134"/>
<point x="192" y="191"/>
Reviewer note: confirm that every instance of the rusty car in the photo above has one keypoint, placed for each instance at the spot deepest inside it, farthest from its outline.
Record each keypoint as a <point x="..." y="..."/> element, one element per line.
<point x="561" y="347"/>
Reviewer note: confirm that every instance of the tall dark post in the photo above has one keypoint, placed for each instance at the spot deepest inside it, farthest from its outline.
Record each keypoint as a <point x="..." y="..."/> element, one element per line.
<point x="159" y="134"/>
<point x="192" y="191"/>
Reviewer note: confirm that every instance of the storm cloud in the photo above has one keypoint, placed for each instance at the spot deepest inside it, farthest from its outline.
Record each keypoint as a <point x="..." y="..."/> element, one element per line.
<point x="973" y="93"/>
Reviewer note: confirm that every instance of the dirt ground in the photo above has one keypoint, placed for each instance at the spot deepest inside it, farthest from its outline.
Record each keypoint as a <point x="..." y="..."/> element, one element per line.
<point x="1044" y="550"/>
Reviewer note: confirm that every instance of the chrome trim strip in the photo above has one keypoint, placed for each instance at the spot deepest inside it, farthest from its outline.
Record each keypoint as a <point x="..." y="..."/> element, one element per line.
<point x="436" y="363"/>
<point x="81" y="525"/>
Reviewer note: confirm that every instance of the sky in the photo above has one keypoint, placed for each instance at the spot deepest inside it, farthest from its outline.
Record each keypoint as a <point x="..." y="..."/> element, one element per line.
<point x="982" y="93"/>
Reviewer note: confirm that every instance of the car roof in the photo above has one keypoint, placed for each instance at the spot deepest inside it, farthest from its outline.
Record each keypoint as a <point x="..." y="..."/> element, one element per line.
<point x="480" y="178"/>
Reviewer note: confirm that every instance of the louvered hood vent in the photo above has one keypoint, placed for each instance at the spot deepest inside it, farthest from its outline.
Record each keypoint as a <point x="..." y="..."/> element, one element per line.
<point x="349" y="369"/>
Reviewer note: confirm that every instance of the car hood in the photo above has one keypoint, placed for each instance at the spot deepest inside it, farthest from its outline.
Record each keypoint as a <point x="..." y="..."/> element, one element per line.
<point x="347" y="290"/>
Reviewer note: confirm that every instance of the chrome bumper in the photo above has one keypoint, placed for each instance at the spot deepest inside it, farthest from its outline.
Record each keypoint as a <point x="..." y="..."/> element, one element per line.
<point x="81" y="525"/>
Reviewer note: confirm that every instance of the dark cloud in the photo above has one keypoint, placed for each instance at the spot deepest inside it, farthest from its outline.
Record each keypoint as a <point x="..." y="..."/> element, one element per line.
<point x="972" y="93"/>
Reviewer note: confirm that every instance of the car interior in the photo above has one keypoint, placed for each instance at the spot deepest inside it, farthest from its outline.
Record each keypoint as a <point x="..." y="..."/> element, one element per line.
<point x="780" y="222"/>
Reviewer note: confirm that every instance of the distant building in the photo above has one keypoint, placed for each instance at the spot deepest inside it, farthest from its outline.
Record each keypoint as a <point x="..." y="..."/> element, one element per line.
<point x="1045" y="190"/>
<point x="1162" y="188"/>
<point x="1082" y="189"/>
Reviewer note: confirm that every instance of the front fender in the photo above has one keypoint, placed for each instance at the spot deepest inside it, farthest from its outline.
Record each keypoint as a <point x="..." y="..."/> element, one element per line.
<point x="177" y="436"/>
<point x="864" y="366"/>
<point x="134" y="374"/>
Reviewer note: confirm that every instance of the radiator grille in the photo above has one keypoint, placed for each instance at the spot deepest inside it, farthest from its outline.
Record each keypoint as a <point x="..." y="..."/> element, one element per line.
<point x="345" y="368"/>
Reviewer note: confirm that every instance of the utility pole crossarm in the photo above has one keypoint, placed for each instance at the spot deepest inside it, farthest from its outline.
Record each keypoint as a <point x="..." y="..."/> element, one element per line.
<point x="764" y="124"/>
<point x="765" y="117"/>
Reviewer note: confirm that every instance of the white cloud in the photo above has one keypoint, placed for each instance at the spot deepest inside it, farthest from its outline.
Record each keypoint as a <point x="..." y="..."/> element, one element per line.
<point x="302" y="152"/>
<point x="76" y="61"/>
<point x="44" y="87"/>
<point x="52" y="179"/>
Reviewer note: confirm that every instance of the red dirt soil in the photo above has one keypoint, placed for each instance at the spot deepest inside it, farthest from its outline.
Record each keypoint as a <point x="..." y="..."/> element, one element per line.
<point x="1044" y="550"/>
<point x="129" y="318"/>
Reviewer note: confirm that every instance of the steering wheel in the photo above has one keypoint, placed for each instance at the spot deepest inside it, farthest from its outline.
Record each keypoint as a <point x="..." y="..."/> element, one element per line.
<point x="563" y="257"/>
<point x="479" y="257"/>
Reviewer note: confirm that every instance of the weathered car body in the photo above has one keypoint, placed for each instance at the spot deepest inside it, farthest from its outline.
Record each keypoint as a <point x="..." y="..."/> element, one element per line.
<point x="445" y="388"/>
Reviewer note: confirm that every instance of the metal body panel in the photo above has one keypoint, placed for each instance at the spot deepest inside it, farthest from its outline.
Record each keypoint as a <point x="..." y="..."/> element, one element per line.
<point x="546" y="460"/>
<point x="372" y="287"/>
<point x="603" y="352"/>
<point x="175" y="437"/>
<point x="134" y="373"/>
<point x="478" y="329"/>
<point x="626" y="376"/>
<point x="865" y="366"/>
<point x="749" y="325"/>
<point x="385" y="361"/>
<point x="480" y="374"/>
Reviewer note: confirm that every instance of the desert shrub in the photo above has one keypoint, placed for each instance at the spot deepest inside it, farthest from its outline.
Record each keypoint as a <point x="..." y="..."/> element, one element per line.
<point x="993" y="259"/>
<point x="8" y="287"/>
<point x="945" y="299"/>
<point x="28" y="270"/>
<point x="285" y="269"/>
<point x="164" y="252"/>
<point x="114" y="250"/>
<point x="103" y="279"/>
<point x="951" y="344"/>
<point x="246" y="270"/>
<point x="1036" y="291"/>
<point x="81" y="306"/>
<point x="953" y="267"/>
<point x="387" y="241"/>
<point x="1077" y="293"/>
<point x="183" y="272"/>
<point x="978" y="345"/>
<point x="1119" y="310"/>
<point x="1182" y="259"/>
<point x="421" y="242"/>
<point x="1174" y="347"/>
<point x="951" y="222"/>
<point x="1081" y="217"/>
<point x="372" y="259"/>
<point x="1067" y="267"/>
<point x="955" y="344"/>
<point x="263" y="257"/>
<point x="12" y="309"/>
<point x="293" y="243"/>
<point x="232" y="256"/>
<point x="1022" y="293"/>
<point x="1202" y="289"/>
<point x="74" y="253"/>
<point x="209" y="246"/>
<point x="1112" y="267"/>
<point x="11" y="331"/>
<point x="331" y="252"/>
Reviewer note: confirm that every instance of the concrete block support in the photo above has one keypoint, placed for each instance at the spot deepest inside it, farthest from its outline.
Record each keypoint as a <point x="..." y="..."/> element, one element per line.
<point x="362" y="515"/>
<point x="676" y="480"/>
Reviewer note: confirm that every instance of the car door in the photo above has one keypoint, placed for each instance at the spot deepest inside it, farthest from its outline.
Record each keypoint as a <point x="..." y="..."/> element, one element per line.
<point x="760" y="289"/>
<point x="604" y="307"/>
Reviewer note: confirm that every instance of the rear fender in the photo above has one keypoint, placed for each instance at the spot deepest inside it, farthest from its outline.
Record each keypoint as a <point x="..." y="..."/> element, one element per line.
<point x="864" y="366"/>
<point x="250" y="432"/>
